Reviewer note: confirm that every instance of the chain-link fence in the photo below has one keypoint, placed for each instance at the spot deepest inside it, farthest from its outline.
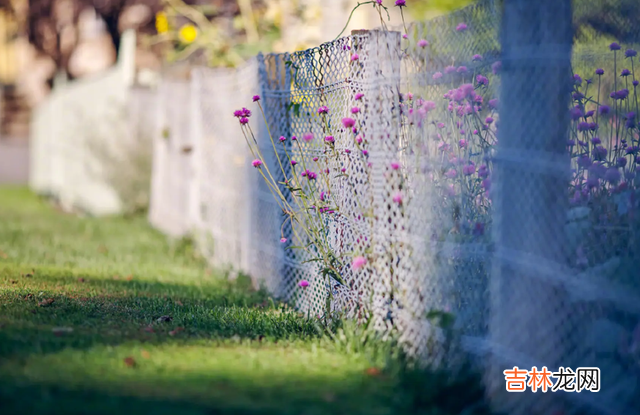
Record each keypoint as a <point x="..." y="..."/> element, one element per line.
<point x="466" y="192"/>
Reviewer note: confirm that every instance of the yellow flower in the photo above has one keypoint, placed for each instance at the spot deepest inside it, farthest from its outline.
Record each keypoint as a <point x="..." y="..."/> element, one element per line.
<point x="188" y="33"/>
<point x="162" y="23"/>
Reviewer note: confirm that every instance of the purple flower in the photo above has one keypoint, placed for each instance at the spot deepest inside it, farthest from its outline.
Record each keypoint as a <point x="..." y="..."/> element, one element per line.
<point x="293" y="162"/>
<point x="244" y="121"/>
<point x="584" y="162"/>
<point x="307" y="137"/>
<point x="359" y="261"/>
<point x="577" y="79"/>
<point x="401" y="3"/>
<point x="397" y="198"/>
<point x="237" y="113"/>
<point x="477" y="57"/>
<point x="437" y="75"/>
<point x="347" y="151"/>
<point x="395" y="165"/>
<point x="599" y="71"/>
<point x="496" y="67"/>
<point x="612" y="175"/>
<point x="256" y="163"/>
<point x="462" y="143"/>
<point x="329" y="139"/>
<point x="599" y="153"/>
<point x="462" y="69"/>
<point x="355" y="110"/>
<point x="365" y="153"/>
<point x="489" y="120"/>
<point x="440" y="125"/>
<point x="449" y="69"/>
<point x="303" y="284"/>
<point x="294" y="138"/>
<point x="358" y="96"/>
<point x="493" y="103"/>
<point x="423" y="43"/>
<point x="359" y="140"/>
<point x="405" y="36"/>
<point x="621" y="162"/>
<point x="469" y="169"/>
<point x="322" y="196"/>
<point x="576" y="113"/>
<point x="451" y="173"/>
<point x="625" y="72"/>
<point x="482" y="80"/>
<point x="630" y="53"/>
<point x="354" y="57"/>
<point x="583" y="126"/>
<point x="589" y="114"/>
<point x="486" y="184"/>
<point x="343" y="169"/>
<point x="483" y="171"/>
<point x="283" y="240"/>
<point x="596" y="140"/>
<point x="348" y="122"/>
<point x="246" y="113"/>
<point x="604" y="109"/>
<point x="323" y="110"/>
<point x="461" y="27"/>
<point x="256" y="98"/>
<point x="635" y="83"/>
<point x="614" y="46"/>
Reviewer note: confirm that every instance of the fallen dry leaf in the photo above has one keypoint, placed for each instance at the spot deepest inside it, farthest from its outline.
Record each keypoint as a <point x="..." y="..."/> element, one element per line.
<point x="59" y="331"/>
<point x="164" y="319"/>
<point x="103" y="249"/>
<point x="28" y="297"/>
<point x="187" y="149"/>
<point x="116" y="277"/>
<point x="128" y="277"/>
<point x="129" y="361"/>
<point x="3" y="255"/>
<point x="145" y="354"/>
<point x="373" y="371"/>
<point x="176" y="331"/>
<point x="46" y="303"/>
<point x="179" y="303"/>
<point x="148" y="329"/>
<point x="81" y="279"/>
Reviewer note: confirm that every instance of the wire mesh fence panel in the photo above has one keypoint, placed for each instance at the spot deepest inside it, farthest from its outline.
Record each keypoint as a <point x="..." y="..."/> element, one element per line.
<point x="172" y="170"/>
<point x="225" y="185"/>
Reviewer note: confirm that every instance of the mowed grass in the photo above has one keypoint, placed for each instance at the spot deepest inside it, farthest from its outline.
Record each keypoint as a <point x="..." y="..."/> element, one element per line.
<point x="106" y="316"/>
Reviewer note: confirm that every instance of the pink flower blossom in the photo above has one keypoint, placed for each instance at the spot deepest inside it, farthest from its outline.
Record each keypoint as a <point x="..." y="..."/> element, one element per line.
<point x="395" y="165"/>
<point x="244" y="120"/>
<point x="397" y="198"/>
<point x="469" y="169"/>
<point x="437" y="75"/>
<point x="283" y="240"/>
<point x="477" y="57"/>
<point x="358" y="96"/>
<point x="358" y="263"/>
<point x="355" y="110"/>
<point x="354" y="57"/>
<point x="293" y="162"/>
<point x="303" y="284"/>
<point x="359" y="140"/>
<point x="401" y="3"/>
<point x="451" y="173"/>
<point x="282" y="139"/>
<point x="348" y="122"/>
<point x="307" y="137"/>
<point x="323" y="110"/>
<point x="256" y="163"/>
<point x="423" y="43"/>
<point x="256" y="98"/>
<point x="461" y="27"/>
<point x="329" y="139"/>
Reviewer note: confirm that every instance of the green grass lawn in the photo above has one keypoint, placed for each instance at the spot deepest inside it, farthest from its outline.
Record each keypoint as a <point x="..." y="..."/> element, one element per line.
<point x="107" y="316"/>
